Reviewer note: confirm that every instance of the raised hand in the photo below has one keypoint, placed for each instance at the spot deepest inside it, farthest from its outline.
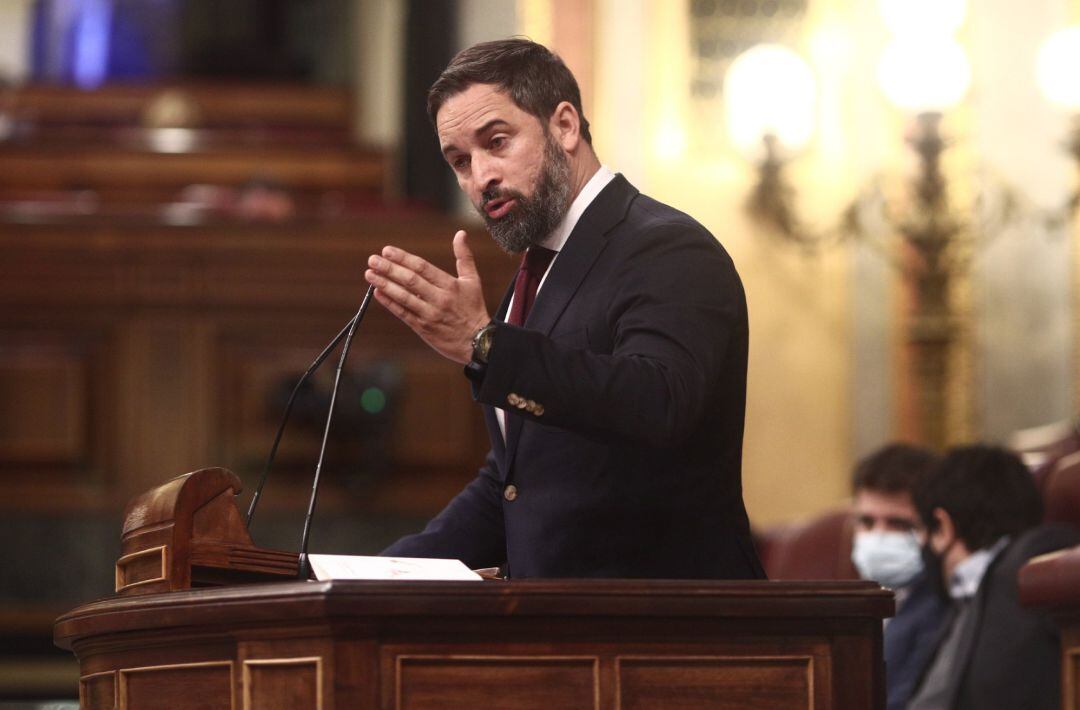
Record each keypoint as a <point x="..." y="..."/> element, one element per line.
<point x="442" y="309"/>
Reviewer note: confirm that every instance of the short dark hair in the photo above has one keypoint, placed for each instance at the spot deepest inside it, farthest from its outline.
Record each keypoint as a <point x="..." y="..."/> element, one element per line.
<point x="987" y="491"/>
<point x="534" y="77"/>
<point x="896" y="468"/>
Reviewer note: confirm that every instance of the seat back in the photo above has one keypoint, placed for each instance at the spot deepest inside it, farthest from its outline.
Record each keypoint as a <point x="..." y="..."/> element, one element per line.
<point x="818" y="549"/>
<point x="1061" y="491"/>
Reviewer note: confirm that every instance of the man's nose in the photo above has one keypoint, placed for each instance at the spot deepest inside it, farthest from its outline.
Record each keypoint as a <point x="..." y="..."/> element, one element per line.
<point x="486" y="173"/>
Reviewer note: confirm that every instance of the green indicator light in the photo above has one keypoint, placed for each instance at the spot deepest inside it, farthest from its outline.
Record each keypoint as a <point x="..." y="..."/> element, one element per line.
<point x="373" y="400"/>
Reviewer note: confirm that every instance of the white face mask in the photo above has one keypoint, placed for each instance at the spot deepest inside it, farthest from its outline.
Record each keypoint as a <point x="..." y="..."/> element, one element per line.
<point x="891" y="559"/>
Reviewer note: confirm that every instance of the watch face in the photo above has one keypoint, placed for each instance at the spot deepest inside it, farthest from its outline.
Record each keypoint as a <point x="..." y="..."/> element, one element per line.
<point x="482" y="344"/>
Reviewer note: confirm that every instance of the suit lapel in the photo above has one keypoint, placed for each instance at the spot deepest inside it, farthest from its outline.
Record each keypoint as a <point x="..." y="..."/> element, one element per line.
<point x="582" y="247"/>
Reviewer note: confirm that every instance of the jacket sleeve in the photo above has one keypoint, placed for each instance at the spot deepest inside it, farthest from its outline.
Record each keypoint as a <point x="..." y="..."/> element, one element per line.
<point x="470" y="528"/>
<point x="673" y="307"/>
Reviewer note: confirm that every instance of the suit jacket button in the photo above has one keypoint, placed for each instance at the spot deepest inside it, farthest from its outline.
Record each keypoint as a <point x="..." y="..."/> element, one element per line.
<point x="538" y="410"/>
<point x="510" y="493"/>
<point x="512" y="399"/>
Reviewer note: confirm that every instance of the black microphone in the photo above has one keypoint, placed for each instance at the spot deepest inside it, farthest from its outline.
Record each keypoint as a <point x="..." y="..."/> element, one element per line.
<point x="304" y="567"/>
<point x="285" y="418"/>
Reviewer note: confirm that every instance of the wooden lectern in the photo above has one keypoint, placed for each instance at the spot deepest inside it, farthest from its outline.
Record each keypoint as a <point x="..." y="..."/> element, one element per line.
<point x="522" y="644"/>
<point x="189" y="533"/>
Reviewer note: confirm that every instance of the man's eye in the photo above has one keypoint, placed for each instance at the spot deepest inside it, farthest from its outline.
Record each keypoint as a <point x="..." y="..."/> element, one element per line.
<point x="498" y="142"/>
<point x="460" y="162"/>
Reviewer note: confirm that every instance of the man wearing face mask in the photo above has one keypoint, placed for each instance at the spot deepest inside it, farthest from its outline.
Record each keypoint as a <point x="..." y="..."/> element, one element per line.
<point x="981" y="510"/>
<point x="887" y="551"/>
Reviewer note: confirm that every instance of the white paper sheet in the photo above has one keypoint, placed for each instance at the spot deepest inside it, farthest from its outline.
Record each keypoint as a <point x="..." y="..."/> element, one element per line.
<point x="363" y="567"/>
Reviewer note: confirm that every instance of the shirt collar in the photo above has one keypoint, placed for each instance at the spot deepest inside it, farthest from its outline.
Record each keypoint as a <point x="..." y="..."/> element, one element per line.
<point x="969" y="574"/>
<point x="557" y="240"/>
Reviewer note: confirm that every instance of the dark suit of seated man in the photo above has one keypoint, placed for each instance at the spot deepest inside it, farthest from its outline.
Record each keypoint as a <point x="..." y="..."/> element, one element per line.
<point x="980" y="508"/>
<point x="886" y="549"/>
<point x="613" y="375"/>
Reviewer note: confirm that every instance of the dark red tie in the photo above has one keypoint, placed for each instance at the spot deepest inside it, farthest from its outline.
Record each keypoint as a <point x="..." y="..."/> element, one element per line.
<point x="533" y="266"/>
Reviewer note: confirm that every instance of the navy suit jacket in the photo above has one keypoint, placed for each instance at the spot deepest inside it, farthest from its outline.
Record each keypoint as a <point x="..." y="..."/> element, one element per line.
<point x="910" y="639"/>
<point x="635" y="353"/>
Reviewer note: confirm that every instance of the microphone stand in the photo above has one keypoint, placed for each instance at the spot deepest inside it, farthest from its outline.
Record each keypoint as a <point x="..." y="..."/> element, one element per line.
<point x="304" y="567"/>
<point x="288" y="410"/>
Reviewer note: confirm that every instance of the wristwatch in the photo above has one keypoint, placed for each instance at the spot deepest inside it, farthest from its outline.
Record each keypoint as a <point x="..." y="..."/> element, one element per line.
<point x="481" y="343"/>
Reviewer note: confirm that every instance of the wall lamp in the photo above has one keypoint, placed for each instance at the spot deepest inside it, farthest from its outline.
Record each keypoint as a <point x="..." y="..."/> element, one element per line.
<point x="923" y="72"/>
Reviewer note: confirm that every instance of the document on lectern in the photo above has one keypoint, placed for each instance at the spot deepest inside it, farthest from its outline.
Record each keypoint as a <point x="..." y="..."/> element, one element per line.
<point x="389" y="568"/>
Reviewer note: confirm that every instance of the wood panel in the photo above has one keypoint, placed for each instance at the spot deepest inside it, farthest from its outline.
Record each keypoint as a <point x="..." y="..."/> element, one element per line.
<point x="97" y="691"/>
<point x="181" y="686"/>
<point x="214" y="105"/>
<point x="43" y="406"/>
<point x="52" y="382"/>
<point x="494" y="682"/>
<point x="107" y="170"/>
<point x="134" y="351"/>
<point x="717" y="683"/>
<point x="433" y="415"/>
<point x="520" y="644"/>
<point x="284" y="682"/>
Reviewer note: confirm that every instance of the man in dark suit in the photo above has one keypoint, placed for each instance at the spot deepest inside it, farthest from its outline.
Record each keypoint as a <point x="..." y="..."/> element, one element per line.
<point x="613" y="375"/>
<point x="981" y="510"/>
<point x="886" y="549"/>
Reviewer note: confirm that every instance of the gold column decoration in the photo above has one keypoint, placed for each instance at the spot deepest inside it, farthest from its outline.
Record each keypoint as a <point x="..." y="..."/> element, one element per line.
<point x="932" y="233"/>
<point x="938" y="247"/>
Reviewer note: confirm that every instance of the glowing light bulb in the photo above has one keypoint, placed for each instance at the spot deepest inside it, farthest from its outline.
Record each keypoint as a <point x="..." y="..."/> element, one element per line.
<point x="910" y="18"/>
<point x="769" y="90"/>
<point x="920" y="74"/>
<point x="1057" y="68"/>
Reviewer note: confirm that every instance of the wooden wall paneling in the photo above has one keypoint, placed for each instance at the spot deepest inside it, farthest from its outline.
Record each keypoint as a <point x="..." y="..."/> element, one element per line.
<point x="256" y="362"/>
<point x="183" y="327"/>
<point x="44" y="404"/>
<point x="438" y="415"/>
<point x="434" y="422"/>
<point x="433" y="425"/>
<point x="110" y="171"/>
<point x="54" y="373"/>
<point x="163" y="401"/>
<point x="252" y="105"/>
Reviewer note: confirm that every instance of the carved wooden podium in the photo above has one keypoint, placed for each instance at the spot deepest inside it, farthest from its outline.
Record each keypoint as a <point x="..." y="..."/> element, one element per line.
<point x="522" y="644"/>
<point x="189" y="533"/>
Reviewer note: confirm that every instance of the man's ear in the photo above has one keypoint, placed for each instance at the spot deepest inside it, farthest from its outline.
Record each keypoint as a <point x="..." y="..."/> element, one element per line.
<point x="565" y="126"/>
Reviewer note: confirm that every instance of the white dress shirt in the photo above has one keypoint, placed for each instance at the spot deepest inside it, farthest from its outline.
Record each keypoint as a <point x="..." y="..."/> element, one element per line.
<point x="968" y="575"/>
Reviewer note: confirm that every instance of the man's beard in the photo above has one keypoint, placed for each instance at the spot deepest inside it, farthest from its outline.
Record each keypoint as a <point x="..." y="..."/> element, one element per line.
<point x="534" y="218"/>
